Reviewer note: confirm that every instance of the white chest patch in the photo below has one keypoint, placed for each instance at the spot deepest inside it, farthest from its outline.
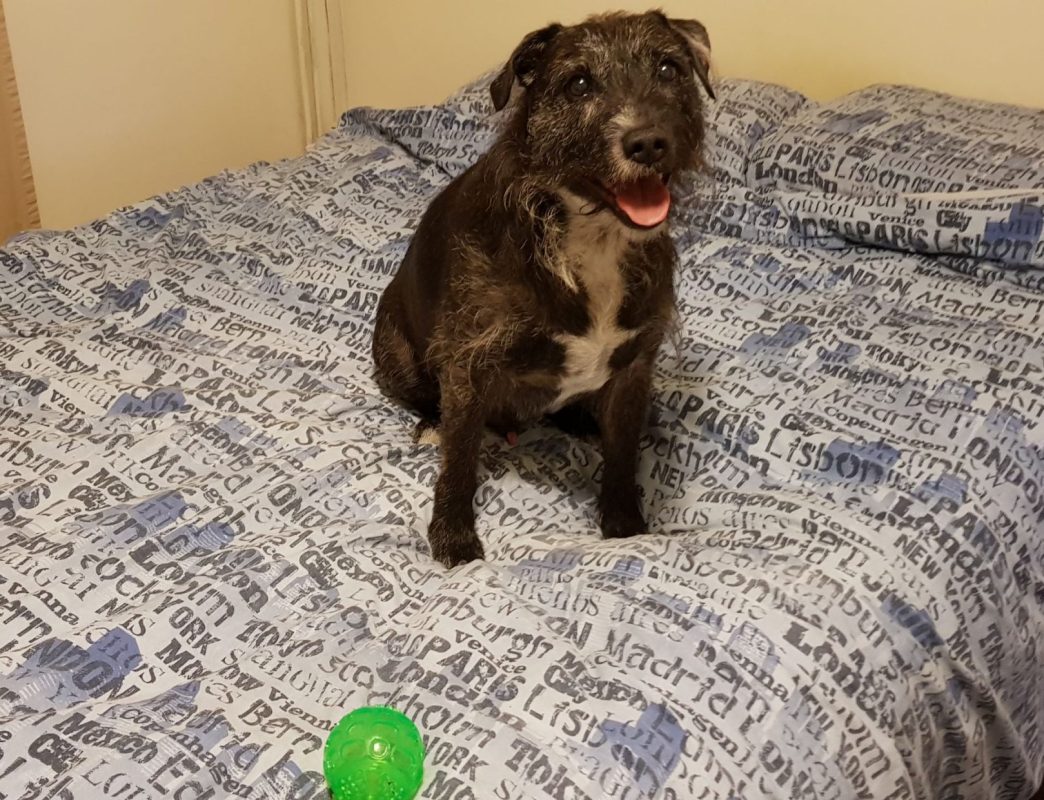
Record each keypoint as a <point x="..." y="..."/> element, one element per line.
<point x="594" y="259"/>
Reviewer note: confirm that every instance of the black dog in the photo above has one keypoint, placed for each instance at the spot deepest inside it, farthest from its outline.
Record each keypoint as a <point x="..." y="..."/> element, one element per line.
<point x="541" y="280"/>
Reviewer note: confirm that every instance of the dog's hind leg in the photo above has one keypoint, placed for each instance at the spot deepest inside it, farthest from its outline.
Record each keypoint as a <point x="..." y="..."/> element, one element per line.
<point x="427" y="432"/>
<point x="401" y="373"/>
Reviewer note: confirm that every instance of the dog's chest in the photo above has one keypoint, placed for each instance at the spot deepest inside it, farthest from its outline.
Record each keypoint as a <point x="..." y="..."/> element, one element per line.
<point x="597" y="266"/>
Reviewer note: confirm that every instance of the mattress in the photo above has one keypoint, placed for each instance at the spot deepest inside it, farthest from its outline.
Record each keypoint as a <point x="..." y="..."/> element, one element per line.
<point x="212" y="523"/>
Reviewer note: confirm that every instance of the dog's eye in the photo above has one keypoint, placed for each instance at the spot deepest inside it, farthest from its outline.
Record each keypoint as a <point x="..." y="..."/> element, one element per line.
<point x="579" y="86"/>
<point x="667" y="70"/>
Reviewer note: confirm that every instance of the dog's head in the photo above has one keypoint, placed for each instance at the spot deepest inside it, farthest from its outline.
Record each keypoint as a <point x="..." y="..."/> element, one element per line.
<point x="610" y="109"/>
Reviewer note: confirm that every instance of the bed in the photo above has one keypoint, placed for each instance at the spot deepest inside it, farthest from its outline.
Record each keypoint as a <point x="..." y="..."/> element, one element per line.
<point x="212" y="524"/>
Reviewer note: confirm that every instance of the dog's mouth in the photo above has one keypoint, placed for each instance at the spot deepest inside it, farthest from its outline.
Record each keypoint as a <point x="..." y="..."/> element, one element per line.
<point x="642" y="203"/>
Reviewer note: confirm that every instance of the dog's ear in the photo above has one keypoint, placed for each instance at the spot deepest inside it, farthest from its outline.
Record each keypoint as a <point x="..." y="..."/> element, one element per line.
<point x="698" y="41"/>
<point x="526" y="59"/>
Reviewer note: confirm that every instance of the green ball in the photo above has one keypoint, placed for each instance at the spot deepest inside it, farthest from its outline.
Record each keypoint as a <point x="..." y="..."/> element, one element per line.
<point x="374" y="753"/>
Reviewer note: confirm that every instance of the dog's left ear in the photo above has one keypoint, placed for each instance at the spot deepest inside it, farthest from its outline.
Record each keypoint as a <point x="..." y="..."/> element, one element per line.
<point x="526" y="59"/>
<point x="698" y="41"/>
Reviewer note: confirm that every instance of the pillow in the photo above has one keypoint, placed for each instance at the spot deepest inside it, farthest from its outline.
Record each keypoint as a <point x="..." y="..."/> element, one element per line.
<point x="743" y="114"/>
<point x="473" y="100"/>
<point x="440" y="137"/>
<point x="910" y="169"/>
<point x="902" y="140"/>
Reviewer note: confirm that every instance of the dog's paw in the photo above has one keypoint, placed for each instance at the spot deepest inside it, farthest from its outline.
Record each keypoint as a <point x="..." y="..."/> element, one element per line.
<point x="621" y="521"/>
<point x="453" y="545"/>
<point x="427" y="432"/>
<point x="453" y="554"/>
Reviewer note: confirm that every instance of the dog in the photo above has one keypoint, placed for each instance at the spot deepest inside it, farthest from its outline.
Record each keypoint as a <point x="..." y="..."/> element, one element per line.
<point x="539" y="283"/>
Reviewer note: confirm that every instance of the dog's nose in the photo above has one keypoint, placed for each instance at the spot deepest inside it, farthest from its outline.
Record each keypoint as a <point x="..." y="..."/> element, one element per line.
<point x="647" y="146"/>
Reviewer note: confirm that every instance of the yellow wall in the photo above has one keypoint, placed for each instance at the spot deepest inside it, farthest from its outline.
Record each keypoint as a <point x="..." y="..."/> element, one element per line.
<point x="404" y="51"/>
<point x="124" y="99"/>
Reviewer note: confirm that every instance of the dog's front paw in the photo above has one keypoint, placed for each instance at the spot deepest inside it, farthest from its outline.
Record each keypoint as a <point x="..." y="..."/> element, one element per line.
<point x="452" y="545"/>
<point x="621" y="520"/>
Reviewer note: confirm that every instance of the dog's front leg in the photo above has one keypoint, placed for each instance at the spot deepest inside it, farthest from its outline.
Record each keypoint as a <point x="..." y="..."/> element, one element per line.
<point x="452" y="530"/>
<point x="622" y="407"/>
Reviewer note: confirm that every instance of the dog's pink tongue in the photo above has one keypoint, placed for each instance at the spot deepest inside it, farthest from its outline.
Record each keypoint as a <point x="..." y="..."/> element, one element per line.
<point x="646" y="202"/>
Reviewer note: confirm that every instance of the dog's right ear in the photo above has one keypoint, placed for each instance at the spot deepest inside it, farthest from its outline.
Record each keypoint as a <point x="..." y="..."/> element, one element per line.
<point x="695" y="35"/>
<point x="526" y="60"/>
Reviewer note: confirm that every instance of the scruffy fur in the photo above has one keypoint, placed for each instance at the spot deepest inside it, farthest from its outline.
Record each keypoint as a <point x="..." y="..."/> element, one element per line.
<point x="525" y="292"/>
